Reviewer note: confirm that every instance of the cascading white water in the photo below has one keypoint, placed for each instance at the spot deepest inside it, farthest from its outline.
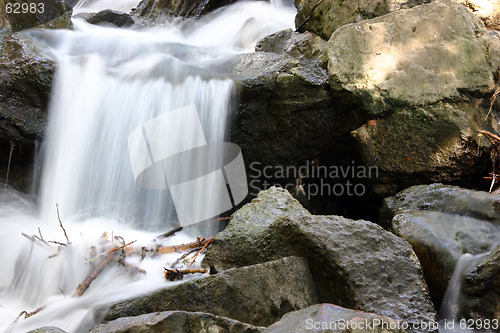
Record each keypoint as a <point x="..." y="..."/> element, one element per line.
<point x="109" y="81"/>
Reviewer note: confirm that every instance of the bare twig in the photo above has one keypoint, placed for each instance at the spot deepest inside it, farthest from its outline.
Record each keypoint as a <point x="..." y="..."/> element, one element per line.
<point x="32" y="313"/>
<point x="492" y="100"/>
<point x="60" y="223"/>
<point x="204" y="246"/>
<point x="178" y="274"/>
<point x="184" y="256"/>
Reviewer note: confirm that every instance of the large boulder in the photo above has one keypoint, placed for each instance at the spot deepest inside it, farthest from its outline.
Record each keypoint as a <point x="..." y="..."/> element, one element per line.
<point x="329" y="318"/>
<point x="324" y="17"/>
<point x="418" y="75"/>
<point x="176" y="322"/>
<point x="481" y="289"/>
<point x="55" y="14"/>
<point x="413" y="57"/>
<point x="258" y="294"/>
<point x="25" y="83"/>
<point x="185" y="8"/>
<point x="355" y="264"/>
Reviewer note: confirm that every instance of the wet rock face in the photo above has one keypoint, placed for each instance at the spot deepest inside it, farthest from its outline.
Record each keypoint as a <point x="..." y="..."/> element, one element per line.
<point x="25" y="83"/>
<point x="324" y="17"/>
<point x="286" y="112"/>
<point x="323" y="318"/>
<point x="176" y="322"/>
<point x="481" y="289"/>
<point x="156" y="8"/>
<point x="355" y="264"/>
<point x="258" y="294"/>
<point x="113" y="17"/>
<point x="442" y="223"/>
<point x="41" y="13"/>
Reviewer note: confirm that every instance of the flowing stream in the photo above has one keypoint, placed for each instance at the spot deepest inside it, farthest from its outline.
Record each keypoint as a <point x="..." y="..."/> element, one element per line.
<point x="110" y="81"/>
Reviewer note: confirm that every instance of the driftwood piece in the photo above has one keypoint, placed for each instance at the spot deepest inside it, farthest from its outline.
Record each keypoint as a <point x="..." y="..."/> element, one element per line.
<point x="105" y="261"/>
<point x="178" y="274"/>
<point x="200" y="242"/>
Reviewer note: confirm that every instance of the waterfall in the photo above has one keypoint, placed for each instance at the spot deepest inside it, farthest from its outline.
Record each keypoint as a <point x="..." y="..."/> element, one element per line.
<point x="108" y="83"/>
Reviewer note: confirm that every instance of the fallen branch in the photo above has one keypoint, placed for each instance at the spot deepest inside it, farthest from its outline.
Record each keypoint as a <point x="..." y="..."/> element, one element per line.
<point x="82" y="287"/>
<point x="200" y="242"/>
<point x="111" y="251"/>
<point x="178" y="274"/>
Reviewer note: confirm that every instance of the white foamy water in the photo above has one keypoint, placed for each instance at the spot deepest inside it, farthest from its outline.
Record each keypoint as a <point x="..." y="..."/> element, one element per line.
<point x="109" y="81"/>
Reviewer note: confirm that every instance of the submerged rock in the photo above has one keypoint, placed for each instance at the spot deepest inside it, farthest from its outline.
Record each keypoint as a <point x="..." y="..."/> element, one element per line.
<point x="186" y="8"/>
<point x="443" y="198"/>
<point x="176" y="322"/>
<point x="440" y="239"/>
<point x="441" y="223"/>
<point x="355" y="264"/>
<point x="329" y="318"/>
<point x="47" y="329"/>
<point x="54" y="14"/>
<point x="25" y="83"/>
<point x="324" y="17"/>
<point x="481" y="289"/>
<point x="114" y="17"/>
<point x="258" y="294"/>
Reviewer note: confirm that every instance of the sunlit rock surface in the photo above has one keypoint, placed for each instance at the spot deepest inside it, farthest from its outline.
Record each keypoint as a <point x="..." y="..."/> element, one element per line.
<point x="413" y="57"/>
<point x="324" y="17"/>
